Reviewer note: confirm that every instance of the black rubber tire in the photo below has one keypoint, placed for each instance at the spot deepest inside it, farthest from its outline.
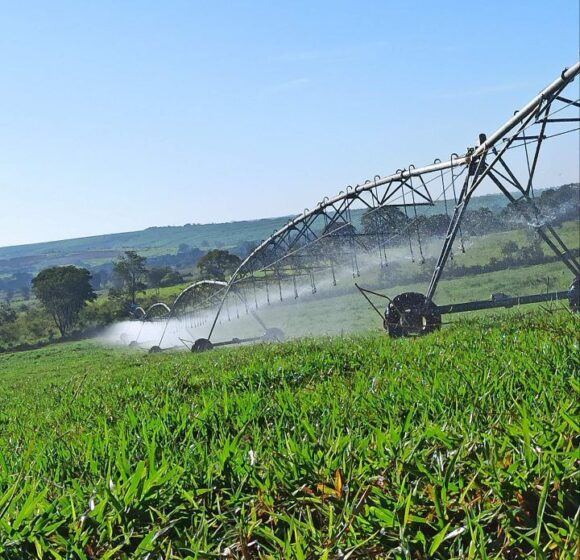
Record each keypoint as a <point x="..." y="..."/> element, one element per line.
<point x="410" y="314"/>
<point x="201" y="345"/>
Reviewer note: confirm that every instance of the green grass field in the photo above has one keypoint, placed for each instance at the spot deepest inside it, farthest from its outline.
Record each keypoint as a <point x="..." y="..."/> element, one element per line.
<point x="462" y="444"/>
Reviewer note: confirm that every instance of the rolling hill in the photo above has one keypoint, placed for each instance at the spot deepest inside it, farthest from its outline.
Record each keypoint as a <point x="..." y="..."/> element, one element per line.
<point x="155" y="241"/>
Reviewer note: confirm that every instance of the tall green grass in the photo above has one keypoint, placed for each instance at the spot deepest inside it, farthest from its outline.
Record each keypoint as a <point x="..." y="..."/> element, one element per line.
<point x="463" y="444"/>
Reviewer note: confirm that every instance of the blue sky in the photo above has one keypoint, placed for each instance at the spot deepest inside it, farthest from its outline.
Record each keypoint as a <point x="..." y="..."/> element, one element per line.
<point x="120" y="115"/>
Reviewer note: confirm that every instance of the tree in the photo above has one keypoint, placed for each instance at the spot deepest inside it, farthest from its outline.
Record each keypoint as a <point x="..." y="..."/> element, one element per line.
<point x="437" y="224"/>
<point x="339" y="228"/>
<point x="172" y="278"/>
<point x="187" y="258"/>
<point x="532" y="253"/>
<point x="7" y="314"/>
<point x="162" y="276"/>
<point x="386" y="220"/>
<point x="63" y="291"/>
<point x="130" y="270"/>
<point x="25" y="292"/>
<point x="217" y="263"/>
<point x="156" y="275"/>
<point x="21" y="282"/>
<point x="244" y="248"/>
<point x="9" y="332"/>
<point x="480" y="221"/>
<point x="98" y="279"/>
<point x="509" y="248"/>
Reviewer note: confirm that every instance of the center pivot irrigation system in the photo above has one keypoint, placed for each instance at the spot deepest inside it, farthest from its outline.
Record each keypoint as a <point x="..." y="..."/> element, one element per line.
<point x="318" y="244"/>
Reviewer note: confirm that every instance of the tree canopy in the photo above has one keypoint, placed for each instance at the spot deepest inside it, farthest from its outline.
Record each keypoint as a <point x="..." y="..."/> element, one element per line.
<point x="161" y="276"/>
<point x="339" y="228"/>
<point x="7" y="314"/>
<point x="130" y="270"/>
<point x="63" y="291"/>
<point x="388" y="220"/>
<point x="217" y="263"/>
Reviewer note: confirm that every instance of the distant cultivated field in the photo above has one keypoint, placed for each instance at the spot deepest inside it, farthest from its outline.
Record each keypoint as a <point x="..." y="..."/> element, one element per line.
<point x="462" y="444"/>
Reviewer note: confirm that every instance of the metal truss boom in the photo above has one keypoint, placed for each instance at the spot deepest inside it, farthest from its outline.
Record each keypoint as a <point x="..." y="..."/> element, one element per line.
<point x="299" y="232"/>
<point x="320" y="238"/>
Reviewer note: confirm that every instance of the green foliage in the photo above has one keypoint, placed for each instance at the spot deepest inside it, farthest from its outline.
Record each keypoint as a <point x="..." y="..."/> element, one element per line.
<point x="8" y="317"/>
<point x="63" y="291"/>
<point x="163" y="276"/>
<point x="155" y="275"/>
<point x="7" y="314"/>
<point x="387" y="220"/>
<point x="104" y="311"/>
<point x="216" y="264"/>
<point x="131" y="272"/>
<point x="509" y="248"/>
<point x="172" y="278"/>
<point x="463" y="444"/>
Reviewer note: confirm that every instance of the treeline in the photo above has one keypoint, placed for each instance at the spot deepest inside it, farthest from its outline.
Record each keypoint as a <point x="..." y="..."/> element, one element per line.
<point x="552" y="205"/>
<point x="183" y="264"/>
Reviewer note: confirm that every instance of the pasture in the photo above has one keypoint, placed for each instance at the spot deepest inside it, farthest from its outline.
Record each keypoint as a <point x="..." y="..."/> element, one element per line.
<point x="460" y="444"/>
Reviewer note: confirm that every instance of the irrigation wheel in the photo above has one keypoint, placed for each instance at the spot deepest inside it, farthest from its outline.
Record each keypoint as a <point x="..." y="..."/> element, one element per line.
<point x="411" y="314"/>
<point x="201" y="345"/>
